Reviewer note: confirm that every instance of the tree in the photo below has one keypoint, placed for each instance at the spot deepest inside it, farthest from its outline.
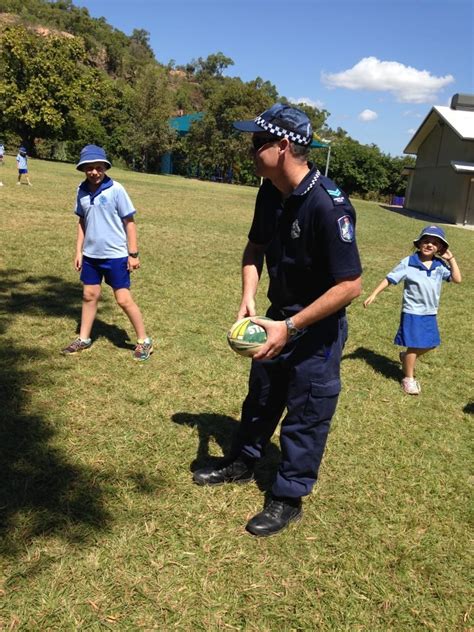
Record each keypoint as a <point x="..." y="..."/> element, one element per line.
<point x="43" y="85"/>
<point x="150" y="110"/>
<point x="213" y="146"/>
<point x="357" y="168"/>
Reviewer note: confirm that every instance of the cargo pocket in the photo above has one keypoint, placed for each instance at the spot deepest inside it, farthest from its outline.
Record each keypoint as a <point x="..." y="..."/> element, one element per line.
<point x="322" y="399"/>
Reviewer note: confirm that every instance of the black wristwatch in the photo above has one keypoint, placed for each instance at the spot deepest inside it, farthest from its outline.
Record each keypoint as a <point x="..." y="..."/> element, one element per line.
<point x="290" y="326"/>
<point x="134" y="255"/>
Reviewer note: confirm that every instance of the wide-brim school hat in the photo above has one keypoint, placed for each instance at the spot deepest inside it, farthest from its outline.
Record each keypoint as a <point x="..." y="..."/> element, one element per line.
<point x="92" y="153"/>
<point x="432" y="231"/>
<point x="282" y="121"/>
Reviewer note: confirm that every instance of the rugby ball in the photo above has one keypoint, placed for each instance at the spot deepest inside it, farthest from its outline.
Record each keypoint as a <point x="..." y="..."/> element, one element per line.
<point x="246" y="337"/>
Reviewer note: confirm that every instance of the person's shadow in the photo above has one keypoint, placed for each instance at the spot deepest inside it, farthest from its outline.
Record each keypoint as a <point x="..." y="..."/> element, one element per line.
<point x="469" y="408"/>
<point x="50" y="295"/>
<point x="221" y="428"/>
<point x="43" y="490"/>
<point x="116" y="335"/>
<point x="380" y="363"/>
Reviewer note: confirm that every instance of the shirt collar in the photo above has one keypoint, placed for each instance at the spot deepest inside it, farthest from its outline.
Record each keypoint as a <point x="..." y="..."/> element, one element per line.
<point x="105" y="184"/>
<point x="308" y="182"/>
<point x="415" y="262"/>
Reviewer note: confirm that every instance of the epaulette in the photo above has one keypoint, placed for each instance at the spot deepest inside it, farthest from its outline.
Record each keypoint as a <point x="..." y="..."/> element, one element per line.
<point x="333" y="191"/>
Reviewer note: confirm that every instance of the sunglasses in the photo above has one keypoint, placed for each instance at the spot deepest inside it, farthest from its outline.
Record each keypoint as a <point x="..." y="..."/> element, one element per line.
<point x="260" y="141"/>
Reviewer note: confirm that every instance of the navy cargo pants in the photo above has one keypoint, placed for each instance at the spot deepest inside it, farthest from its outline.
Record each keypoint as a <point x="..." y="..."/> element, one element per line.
<point x="304" y="378"/>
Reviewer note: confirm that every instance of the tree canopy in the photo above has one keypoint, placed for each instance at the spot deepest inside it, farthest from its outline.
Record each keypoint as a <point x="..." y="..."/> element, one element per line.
<point x="67" y="79"/>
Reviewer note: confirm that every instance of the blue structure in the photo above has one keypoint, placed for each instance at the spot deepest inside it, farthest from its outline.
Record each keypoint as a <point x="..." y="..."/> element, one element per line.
<point x="182" y="124"/>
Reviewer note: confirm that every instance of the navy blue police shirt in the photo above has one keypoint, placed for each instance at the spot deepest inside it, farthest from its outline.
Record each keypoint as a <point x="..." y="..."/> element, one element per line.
<point x="309" y="240"/>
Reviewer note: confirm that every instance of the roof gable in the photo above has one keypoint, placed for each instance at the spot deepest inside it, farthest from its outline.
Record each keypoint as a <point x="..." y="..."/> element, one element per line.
<point x="460" y="121"/>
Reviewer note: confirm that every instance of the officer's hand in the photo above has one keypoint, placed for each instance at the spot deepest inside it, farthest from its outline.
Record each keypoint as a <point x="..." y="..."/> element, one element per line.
<point x="247" y="308"/>
<point x="277" y="337"/>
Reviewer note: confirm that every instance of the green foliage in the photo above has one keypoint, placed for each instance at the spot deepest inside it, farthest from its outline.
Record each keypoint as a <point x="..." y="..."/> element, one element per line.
<point x="358" y="168"/>
<point x="151" y="108"/>
<point x="107" y="47"/>
<point x="103" y="86"/>
<point x="213" y="148"/>
<point x="43" y="84"/>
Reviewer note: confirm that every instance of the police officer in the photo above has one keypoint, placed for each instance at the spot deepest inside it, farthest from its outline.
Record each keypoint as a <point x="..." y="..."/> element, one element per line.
<point x="304" y="227"/>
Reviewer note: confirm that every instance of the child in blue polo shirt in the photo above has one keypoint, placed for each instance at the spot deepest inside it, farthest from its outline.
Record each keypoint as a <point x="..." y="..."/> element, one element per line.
<point x="106" y="248"/>
<point x="22" y="164"/>
<point x="422" y="274"/>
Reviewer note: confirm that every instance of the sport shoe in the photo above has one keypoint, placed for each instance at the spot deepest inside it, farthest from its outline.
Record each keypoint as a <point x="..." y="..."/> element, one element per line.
<point x="411" y="386"/>
<point x="76" y="346"/>
<point x="143" y="350"/>
<point x="237" y="471"/>
<point x="276" y="516"/>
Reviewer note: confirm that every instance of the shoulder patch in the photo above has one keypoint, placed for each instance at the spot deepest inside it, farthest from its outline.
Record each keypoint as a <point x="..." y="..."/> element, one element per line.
<point x="335" y="194"/>
<point x="346" y="228"/>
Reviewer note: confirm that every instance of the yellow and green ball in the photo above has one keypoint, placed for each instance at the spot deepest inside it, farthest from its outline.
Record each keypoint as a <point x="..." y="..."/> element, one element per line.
<point x="246" y="337"/>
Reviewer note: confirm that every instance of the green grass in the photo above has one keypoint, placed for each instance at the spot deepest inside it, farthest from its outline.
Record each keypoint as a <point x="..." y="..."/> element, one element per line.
<point x="101" y="525"/>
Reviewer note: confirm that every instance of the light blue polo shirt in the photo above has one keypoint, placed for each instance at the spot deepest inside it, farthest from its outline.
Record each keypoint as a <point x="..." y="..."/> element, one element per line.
<point x="103" y="212"/>
<point x="22" y="161"/>
<point x="422" y="287"/>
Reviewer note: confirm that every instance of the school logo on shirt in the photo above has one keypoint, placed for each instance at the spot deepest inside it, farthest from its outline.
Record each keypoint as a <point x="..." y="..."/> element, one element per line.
<point x="103" y="199"/>
<point x="346" y="228"/>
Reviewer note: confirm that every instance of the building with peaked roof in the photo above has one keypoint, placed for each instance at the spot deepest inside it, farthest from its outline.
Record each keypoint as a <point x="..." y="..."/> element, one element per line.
<point x="442" y="182"/>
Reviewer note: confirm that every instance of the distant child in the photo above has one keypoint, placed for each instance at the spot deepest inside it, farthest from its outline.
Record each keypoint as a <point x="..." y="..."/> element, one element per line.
<point x="106" y="248"/>
<point x="2" y="160"/>
<point x="422" y="273"/>
<point x="22" y="163"/>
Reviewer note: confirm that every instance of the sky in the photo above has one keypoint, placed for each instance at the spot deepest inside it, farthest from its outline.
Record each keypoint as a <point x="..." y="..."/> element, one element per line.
<point x="377" y="66"/>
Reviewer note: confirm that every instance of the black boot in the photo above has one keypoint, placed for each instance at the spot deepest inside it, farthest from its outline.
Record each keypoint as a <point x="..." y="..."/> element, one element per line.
<point x="239" y="470"/>
<point x="276" y="516"/>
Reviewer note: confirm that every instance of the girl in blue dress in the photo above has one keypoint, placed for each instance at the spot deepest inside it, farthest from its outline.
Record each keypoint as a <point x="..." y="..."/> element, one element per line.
<point x="422" y="274"/>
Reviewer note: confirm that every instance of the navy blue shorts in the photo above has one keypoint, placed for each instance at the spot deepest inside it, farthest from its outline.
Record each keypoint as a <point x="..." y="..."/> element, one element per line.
<point x="113" y="271"/>
<point x="420" y="332"/>
<point x="20" y="171"/>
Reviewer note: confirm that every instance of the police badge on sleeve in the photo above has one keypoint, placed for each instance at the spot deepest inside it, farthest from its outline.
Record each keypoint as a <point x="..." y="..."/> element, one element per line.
<point x="346" y="228"/>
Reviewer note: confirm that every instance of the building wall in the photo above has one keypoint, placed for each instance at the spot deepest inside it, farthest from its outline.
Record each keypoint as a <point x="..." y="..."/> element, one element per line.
<point x="436" y="189"/>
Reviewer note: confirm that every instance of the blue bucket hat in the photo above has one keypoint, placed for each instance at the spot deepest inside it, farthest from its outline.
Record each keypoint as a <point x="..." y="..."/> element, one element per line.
<point x="432" y="231"/>
<point x="92" y="153"/>
<point x="22" y="149"/>
<point x="282" y="121"/>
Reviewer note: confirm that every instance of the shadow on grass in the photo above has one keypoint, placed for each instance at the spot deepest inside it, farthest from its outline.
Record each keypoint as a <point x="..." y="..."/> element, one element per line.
<point x="406" y="212"/>
<point x="116" y="335"/>
<point x="221" y="429"/>
<point x="42" y="491"/>
<point x="387" y="367"/>
<point x="51" y="295"/>
<point x="469" y="408"/>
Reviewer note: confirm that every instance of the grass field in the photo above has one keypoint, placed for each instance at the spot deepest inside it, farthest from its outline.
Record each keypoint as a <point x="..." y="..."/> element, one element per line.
<point x="101" y="526"/>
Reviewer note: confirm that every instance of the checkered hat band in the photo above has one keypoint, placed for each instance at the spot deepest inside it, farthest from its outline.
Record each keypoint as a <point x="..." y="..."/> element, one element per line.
<point x="282" y="132"/>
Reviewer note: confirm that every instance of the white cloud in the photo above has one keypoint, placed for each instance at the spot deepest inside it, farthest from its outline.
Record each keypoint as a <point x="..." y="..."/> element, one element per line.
<point x="411" y="131"/>
<point x="314" y="104"/>
<point x="368" y="115"/>
<point x="407" y="84"/>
